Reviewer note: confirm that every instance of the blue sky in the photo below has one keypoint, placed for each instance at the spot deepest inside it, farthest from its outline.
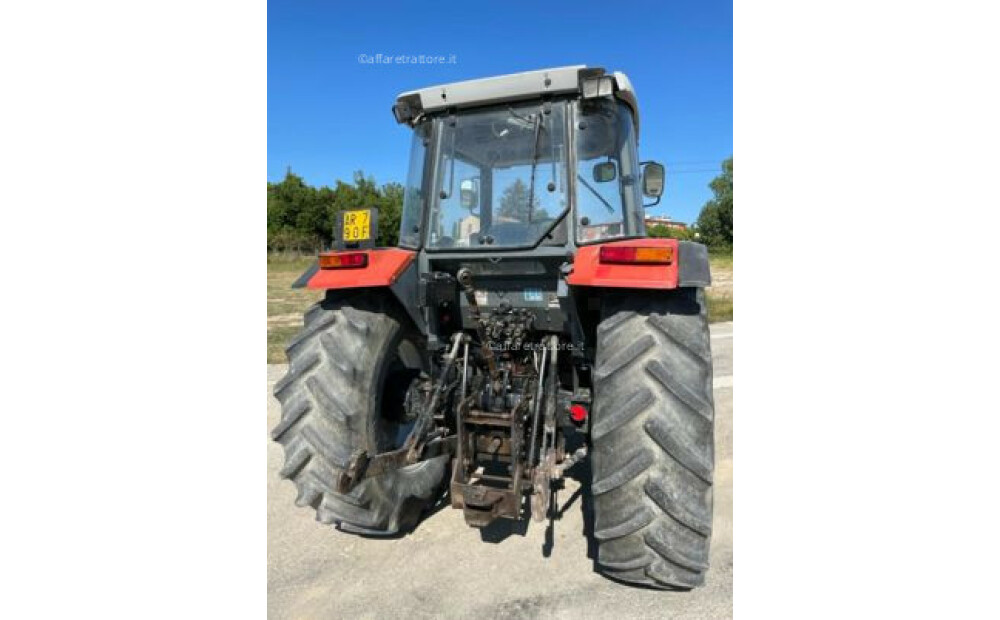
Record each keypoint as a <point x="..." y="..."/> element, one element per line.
<point x="329" y="114"/>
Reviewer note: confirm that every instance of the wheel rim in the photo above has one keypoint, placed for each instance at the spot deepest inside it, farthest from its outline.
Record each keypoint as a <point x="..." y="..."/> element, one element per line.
<point x="402" y="369"/>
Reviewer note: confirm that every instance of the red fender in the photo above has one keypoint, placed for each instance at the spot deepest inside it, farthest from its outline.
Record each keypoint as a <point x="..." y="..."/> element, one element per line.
<point x="384" y="267"/>
<point x="589" y="271"/>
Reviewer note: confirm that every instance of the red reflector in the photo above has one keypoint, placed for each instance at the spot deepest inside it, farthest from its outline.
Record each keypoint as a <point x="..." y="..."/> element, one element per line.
<point x="346" y="260"/>
<point x="630" y="254"/>
<point x="611" y="254"/>
<point x="577" y="413"/>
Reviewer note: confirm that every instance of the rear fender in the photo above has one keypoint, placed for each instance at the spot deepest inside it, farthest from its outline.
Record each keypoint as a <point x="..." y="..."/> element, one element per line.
<point x="394" y="269"/>
<point x="689" y="267"/>
<point x="384" y="267"/>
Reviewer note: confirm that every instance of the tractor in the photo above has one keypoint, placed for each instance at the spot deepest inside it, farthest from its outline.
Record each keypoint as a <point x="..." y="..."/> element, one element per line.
<point x="524" y="323"/>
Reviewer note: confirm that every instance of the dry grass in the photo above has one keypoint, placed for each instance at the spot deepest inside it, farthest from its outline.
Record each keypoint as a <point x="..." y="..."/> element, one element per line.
<point x="285" y="305"/>
<point x="720" y="294"/>
<point x="720" y="308"/>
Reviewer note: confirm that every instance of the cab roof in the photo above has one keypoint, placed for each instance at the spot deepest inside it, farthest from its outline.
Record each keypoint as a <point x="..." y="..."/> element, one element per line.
<point x="410" y="106"/>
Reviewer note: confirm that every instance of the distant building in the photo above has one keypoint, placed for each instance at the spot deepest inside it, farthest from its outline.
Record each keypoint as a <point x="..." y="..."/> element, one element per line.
<point x="663" y="220"/>
<point x="464" y="229"/>
<point x="594" y="232"/>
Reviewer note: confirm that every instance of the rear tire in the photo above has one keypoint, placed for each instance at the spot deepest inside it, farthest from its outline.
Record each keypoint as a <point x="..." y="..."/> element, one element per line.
<point x="341" y="394"/>
<point x="653" y="451"/>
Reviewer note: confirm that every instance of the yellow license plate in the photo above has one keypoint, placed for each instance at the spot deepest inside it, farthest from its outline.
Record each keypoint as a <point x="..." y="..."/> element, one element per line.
<point x="357" y="225"/>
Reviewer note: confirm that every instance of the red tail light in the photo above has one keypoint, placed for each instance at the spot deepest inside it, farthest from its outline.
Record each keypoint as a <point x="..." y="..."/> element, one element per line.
<point x="644" y="255"/>
<point x="343" y="260"/>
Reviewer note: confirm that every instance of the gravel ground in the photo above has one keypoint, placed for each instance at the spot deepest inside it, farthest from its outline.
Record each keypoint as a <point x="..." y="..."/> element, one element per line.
<point x="447" y="569"/>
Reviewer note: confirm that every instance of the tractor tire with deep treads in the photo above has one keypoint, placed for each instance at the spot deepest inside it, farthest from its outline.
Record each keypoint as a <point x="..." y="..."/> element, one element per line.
<point x="652" y="434"/>
<point x="348" y="370"/>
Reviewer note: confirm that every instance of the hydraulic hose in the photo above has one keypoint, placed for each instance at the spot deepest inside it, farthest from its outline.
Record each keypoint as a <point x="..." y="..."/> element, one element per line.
<point x="464" y="278"/>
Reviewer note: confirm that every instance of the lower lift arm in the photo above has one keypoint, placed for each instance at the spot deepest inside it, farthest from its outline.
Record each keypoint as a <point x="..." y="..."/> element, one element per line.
<point x="418" y="444"/>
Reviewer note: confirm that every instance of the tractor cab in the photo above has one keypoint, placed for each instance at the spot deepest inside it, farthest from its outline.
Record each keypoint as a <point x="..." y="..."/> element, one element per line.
<point x="544" y="158"/>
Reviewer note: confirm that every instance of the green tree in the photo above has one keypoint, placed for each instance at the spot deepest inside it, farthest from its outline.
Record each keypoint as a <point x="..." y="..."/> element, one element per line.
<point x="514" y="204"/>
<point x="514" y="201"/>
<point x="389" y="213"/>
<point x="669" y="232"/>
<point x="285" y="200"/>
<point x="291" y="208"/>
<point x="302" y="218"/>
<point x="715" y="223"/>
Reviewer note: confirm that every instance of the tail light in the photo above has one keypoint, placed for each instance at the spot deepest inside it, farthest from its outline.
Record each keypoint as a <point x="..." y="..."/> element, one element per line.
<point x="343" y="260"/>
<point x="642" y="255"/>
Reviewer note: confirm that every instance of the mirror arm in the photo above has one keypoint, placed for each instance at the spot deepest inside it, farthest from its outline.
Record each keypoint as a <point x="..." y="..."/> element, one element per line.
<point x="653" y="204"/>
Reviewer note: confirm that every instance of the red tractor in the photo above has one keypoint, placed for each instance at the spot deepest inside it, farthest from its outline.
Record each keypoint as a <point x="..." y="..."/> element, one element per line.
<point x="525" y="323"/>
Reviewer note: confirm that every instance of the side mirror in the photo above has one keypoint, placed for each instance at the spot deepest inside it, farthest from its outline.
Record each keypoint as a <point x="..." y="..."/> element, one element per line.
<point x="653" y="178"/>
<point x="605" y="171"/>
<point x="469" y="193"/>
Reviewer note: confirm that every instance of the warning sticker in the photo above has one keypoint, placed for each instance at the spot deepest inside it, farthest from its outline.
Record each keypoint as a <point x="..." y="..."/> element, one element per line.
<point x="483" y="298"/>
<point x="532" y="294"/>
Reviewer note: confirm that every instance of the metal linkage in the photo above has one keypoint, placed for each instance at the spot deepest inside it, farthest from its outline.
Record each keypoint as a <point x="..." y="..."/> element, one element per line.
<point x="536" y="409"/>
<point x="544" y="472"/>
<point x="551" y="390"/>
<point x="419" y="443"/>
<point x="362" y="467"/>
<point x="465" y="368"/>
<point x="414" y="442"/>
<point x="463" y="405"/>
